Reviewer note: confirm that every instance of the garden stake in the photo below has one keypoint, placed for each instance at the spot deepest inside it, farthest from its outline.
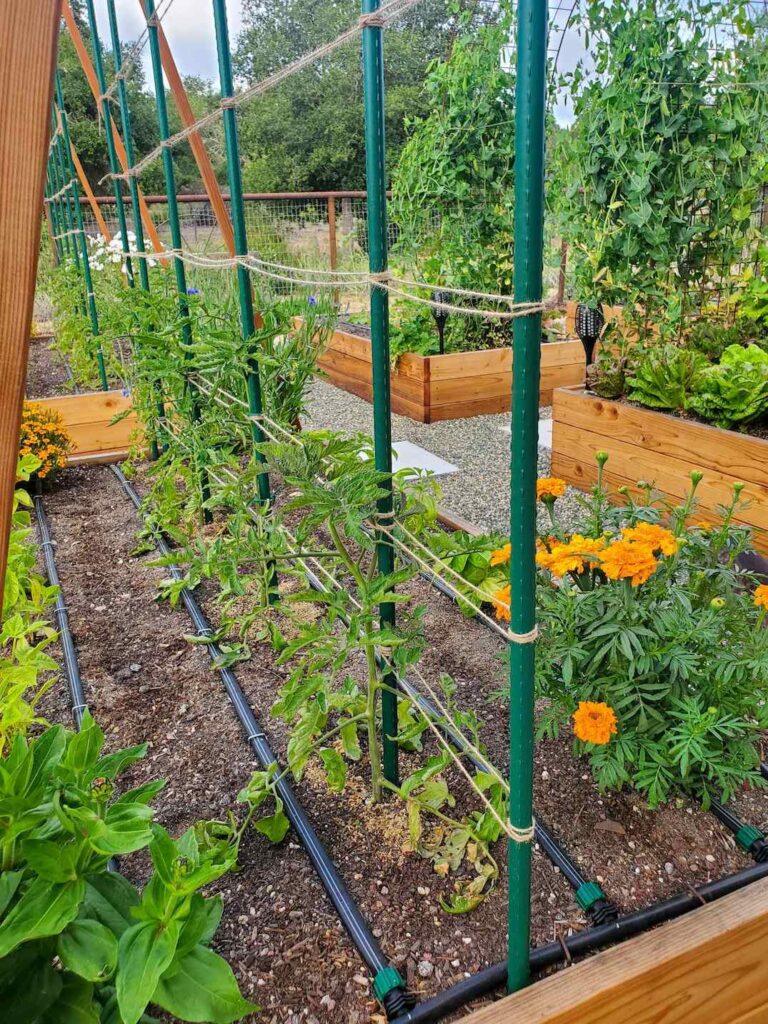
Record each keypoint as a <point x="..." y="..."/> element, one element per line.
<point x="133" y="185"/>
<point x="106" y="116"/>
<point x="66" y="150"/>
<point x="248" y="318"/>
<point x="65" y="214"/>
<point x="375" y="180"/>
<point x="60" y="230"/>
<point x="388" y="986"/>
<point x="175" y="227"/>
<point x="528" y="234"/>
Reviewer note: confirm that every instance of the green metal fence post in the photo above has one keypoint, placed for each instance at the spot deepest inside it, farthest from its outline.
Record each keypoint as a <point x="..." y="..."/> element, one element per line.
<point x="375" y="174"/>
<point x="106" y="115"/>
<point x="66" y="147"/>
<point x="528" y="235"/>
<point x="245" y="292"/>
<point x="62" y="227"/>
<point x="133" y="188"/>
<point x="173" y="221"/>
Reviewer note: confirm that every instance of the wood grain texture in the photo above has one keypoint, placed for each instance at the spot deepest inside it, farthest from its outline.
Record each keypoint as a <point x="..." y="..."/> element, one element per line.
<point x="29" y="32"/>
<point x="707" y="966"/>
<point x="90" y="74"/>
<point x="430" y="389"/>
<point x="663" y="450"/>
<point x="88" y="419"/>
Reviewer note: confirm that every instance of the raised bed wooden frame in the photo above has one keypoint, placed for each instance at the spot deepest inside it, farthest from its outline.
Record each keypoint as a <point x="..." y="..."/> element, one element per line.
<point x="663" y="450"/>
<point x="88" y="418"/>
<point x="454" y="386"/>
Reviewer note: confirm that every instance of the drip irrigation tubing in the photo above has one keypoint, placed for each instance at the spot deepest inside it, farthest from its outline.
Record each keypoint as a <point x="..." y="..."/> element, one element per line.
<point x="591" y="940"/>
<point x="71" y="665"/>
<point x="389" y="987"/>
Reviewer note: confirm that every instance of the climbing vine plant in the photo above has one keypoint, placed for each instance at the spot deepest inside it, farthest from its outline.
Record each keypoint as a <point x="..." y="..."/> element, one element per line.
<point x="667" y="152"/>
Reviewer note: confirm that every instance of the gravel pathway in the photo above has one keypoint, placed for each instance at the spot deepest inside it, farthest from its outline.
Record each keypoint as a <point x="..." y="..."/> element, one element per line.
<point x="478" y="446"/>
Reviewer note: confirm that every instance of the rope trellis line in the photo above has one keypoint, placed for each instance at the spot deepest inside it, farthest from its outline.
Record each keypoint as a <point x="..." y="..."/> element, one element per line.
<point x="388" y="11"/>
<point x="129" y="61"/>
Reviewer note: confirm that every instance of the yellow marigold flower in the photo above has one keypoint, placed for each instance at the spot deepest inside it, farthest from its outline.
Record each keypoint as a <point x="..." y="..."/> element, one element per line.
<point x="760" y="596"/>
<point x="501" y="601"/>
<point x="658" y="538"/>
<point x="550" y="487"/>
<point x="594" y="722"/>
<point x="627" y="560"/>
<point x="571" y="555"/>
<point x="501" y="555"/>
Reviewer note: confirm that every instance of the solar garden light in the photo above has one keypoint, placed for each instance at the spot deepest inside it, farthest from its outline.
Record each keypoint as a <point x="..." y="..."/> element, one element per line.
<point x="590" y="321"/>
<point x="441" y="316"/>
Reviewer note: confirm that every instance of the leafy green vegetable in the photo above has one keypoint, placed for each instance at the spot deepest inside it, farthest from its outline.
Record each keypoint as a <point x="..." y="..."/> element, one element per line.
<point x="735" y="392"/>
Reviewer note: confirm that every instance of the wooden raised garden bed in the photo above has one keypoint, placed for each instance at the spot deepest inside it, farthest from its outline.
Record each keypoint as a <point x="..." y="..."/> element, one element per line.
<point x="88" y="419"/>
<point x="661" y="449"/>
<point x="454" y="386"/>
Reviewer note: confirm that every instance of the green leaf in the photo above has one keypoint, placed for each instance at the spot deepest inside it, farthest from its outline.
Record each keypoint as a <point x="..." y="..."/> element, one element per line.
<point x="109" y="899"/>
<point x="144" y="953"/>
<point x="74" y="1005"/>
<point x="203" y="988"/>
<point x="89" y="949"/>
<point x="9" y="883"/>
<point x="276" y="825"/>
<point x="33" y="990"/>
<point x="56" y="862"/>
<point x="335" y="768"/>
<point x="46" y="908"/>
<point x="350" y="741"/>
<point x="84" y="746"/>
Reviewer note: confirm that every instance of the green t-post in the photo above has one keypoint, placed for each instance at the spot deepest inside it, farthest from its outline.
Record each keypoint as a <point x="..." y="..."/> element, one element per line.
<point x="528" y="236"/>
<point x="130" y="152"/>
<point x="173" y="221"/>
<point x="51" y="213"/>
<point x="66" y="150"/>
<point x="106" y="116"/>
<point x="245" y="291"/>
<point x="376" y="191"/>
<point x="133" y="189"/>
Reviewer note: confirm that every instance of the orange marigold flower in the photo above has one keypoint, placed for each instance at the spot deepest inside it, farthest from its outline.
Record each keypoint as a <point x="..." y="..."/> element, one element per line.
<point x="550" y="487"/>
<point x="658" y="538"/>
<point x="501" y="601"/>
<point x="570" y="556"/>
<point x="501" y="555"/>
<point x="594" y="722"/>
<point x="760" y="596"/>
<point x="627" y="560"/>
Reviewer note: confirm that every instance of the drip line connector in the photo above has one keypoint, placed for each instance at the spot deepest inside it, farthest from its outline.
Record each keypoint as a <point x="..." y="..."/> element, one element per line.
<point x="389" y="988"/>
<point x="753" y="841"/>
<point x="595" y="903"/>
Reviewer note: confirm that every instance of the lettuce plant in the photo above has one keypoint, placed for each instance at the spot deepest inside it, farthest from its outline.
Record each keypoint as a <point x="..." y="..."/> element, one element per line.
<point x="665" y="377"/>
<point x="733" y="393"/>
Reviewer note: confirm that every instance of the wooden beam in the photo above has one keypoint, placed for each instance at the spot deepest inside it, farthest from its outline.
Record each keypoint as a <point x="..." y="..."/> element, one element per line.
<point x="29" y="32"/>
<point x="95" y="208"/>
<point x="196" y="143"/>
<point x="90" y="74"/>
<point x="710" y="965"/>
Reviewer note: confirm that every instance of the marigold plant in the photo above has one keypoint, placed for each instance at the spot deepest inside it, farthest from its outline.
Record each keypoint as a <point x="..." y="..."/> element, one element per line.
<point x="44" y="436"/>
<point x="549" y="488"/>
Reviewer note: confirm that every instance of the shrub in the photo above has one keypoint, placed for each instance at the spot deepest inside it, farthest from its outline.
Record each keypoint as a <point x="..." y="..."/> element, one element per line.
<point x="44" y="436"/>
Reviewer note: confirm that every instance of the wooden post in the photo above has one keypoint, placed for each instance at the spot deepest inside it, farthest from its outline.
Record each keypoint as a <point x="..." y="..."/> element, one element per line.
<point x="196" y="144"/>
<point x="334" y="251"/>
<point x="29" y="32"/>
<point x="562" y="272"/>
<point x="90" y="74"/>
<point x="95" y="208"/>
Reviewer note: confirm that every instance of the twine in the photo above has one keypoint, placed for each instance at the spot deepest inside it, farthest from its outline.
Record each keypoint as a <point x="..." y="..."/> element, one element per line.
<point x="127" y="65"/>
<point x="523" y="638"/>
<point x="374" y="20"/>
<point x="390" y="10"/>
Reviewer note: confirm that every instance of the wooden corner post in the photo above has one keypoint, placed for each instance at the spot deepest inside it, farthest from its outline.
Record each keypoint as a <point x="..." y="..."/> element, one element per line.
<point x="29" y="33"/>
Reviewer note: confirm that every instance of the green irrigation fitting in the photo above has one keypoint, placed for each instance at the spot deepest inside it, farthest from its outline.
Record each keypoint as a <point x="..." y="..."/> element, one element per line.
<point x="175" y="228"/>
<point x="588" y="894"/>
<point x="753" y="842"/>
<point x="66" y="146"/>
<point x="387" y="980"/>
<point x="106" y="116"/>
<point x="375" y="180"/>
<point x="528" y="255"/>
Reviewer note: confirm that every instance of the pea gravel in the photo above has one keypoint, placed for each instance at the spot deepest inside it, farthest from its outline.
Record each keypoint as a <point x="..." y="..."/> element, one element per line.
<point x="479" y="446"/>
